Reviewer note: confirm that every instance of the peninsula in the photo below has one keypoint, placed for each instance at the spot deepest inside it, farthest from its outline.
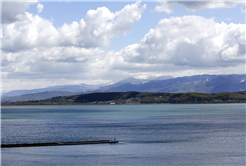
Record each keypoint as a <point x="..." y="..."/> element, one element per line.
<point x="113" y="98"/>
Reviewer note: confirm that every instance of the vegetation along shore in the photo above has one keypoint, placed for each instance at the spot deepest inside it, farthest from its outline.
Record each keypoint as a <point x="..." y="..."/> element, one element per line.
<point x="138" y="98"/>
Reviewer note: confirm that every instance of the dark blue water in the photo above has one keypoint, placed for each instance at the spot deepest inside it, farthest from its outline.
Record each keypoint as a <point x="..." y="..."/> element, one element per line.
<point x="206" y="134"/>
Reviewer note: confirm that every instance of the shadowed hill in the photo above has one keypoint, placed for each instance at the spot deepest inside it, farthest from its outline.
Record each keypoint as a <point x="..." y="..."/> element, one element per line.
<point x="141" y="98"/>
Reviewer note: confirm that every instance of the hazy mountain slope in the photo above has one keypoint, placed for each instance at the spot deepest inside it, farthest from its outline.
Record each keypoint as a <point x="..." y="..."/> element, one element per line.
<point x="68" y="88"/>
<point x="132" y="81"/>
<point x="163" y="78"/>
<point x="37" y="96"/>
<point x="229" y="83"/>
<point x="199" y="83"/>
<point x="83" y="87"/>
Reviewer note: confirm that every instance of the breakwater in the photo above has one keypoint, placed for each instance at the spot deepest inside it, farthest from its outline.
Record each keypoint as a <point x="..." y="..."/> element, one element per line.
<point x="58" y="143"/>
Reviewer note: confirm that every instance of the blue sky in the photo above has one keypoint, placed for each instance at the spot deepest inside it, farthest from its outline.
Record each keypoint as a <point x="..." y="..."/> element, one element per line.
<point x="57" y="43"/>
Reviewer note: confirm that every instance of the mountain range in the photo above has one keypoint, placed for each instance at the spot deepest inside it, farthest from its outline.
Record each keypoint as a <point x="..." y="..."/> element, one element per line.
<point x="198" y="83"/>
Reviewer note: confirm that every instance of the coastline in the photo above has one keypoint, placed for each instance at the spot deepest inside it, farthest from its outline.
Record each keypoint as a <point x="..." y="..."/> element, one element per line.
<point x="136" y="98"/>
<point x="116" y="104"/>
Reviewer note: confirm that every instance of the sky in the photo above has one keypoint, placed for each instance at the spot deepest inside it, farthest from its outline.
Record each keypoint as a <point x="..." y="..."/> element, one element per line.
<point x="48" y="43"/>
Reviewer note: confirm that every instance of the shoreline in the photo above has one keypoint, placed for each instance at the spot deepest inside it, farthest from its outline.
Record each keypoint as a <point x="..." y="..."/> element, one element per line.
<point x="117" y="104"/>
<point x="137" y="98"/>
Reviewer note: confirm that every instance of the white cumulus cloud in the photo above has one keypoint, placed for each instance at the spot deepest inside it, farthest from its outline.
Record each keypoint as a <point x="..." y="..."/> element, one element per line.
<point x="169" y="6"/>
<point x="95" y="30"/>
<point x="40" y="7"/>
<point x="177" y="44"/>
<point x="34" y="49"/>
<point x="192" y="41"/>
<point x="13" y="11"/>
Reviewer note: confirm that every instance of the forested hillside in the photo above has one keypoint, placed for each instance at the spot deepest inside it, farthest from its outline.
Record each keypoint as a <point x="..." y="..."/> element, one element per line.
<point x="140" y="98"/>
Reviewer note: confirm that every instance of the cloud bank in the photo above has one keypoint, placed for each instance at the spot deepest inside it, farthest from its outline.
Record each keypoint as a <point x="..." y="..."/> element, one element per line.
<point x="33" y="49"/>
<point x="190" y="41"/>
<point x="95" y="30"/>
<point x="14" y="11"/>
<point x="169" y="6"/>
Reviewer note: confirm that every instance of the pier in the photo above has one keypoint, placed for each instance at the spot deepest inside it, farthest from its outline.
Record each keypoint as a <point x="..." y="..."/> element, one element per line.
<point x="59" y="143"/>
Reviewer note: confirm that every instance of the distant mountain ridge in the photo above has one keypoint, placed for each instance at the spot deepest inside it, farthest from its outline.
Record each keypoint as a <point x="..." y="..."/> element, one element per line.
<point x="66" y="88"/>
<point x="79" y="88"/>
<point x="37" y="96"/>
<point x="197" y="83"/>
<point x="131" y="80"/>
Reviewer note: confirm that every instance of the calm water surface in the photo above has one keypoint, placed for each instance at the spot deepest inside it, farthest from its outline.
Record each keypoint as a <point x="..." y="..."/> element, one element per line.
<point x="184" y="134"/>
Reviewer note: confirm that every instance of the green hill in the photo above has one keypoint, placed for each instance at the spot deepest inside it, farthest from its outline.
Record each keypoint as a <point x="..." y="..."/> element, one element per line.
<point x="140" y="98"/>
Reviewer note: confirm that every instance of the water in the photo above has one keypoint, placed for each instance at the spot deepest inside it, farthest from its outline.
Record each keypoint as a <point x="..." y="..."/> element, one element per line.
<point x="184" y="134"/>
